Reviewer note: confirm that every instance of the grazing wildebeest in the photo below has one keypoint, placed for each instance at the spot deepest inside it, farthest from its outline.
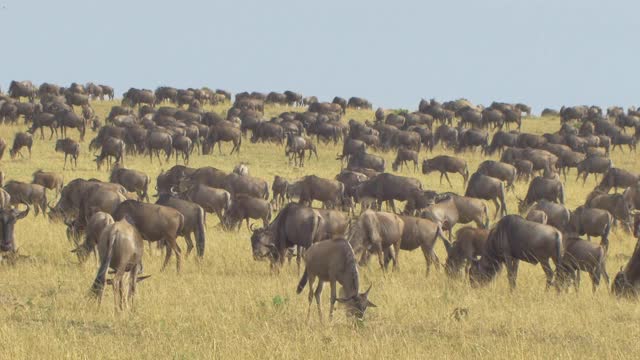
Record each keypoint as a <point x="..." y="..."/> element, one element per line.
<point x="450" y="209"/>
<point x="387" y="187"/>
<point x="446" y="164"/>
<point x="236" y="184"/>
<point x="627" y="280"/>
<point x="333" y="261"/>
<point x="329" y="192"/>
<point x="245" y="207"/>
<point x="21" y="140"/>
<point x="592" y="222"/>
<point x="488" y="188"/>
<point x="49" y="180"/>
<point x="132" y="180"/>
<point x="542" y="188"/>
<point x="112" y="150"/>
<point x="557" y="215"/>
<point x="469" y="139"/>
<point x="172" y="177"/>
<point x="98" y="199"/>
<point x="617" y="178"/>
<point x="351" y="147"/>
<point x="27" y="194"/>
<point x="295" y="225"/>
<point x="499" y="170"/>
<point x="616" y="204"/>
<point x="375" y="232"/>
<point x="194" y="218"/>
<point x="582" y="255"/>
<point x="120" y="247"/>
<point x="364" y="160"/>
<point x="524" y="169"/>
<point x="71" y="195"/>
<point x="95" y="224"/>
<point x="183" y="146"/>
<point x="593" y="165"/>
<point x="157" y="223"/>
<point x="469" y="244"/>
<point x="403" y="156"/>
<point x="8" y="219"/>
<point x="514" y="239"/>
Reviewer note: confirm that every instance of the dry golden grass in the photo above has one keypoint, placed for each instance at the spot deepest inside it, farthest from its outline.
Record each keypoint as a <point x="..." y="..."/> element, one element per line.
<point x="230" y="306"/>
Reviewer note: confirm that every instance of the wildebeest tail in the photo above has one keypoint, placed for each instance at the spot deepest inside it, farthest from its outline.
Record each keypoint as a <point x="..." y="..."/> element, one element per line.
<point x="604" y="242"/>
<point x="200" y="233"/>
<point x="561" y="193"/>
<point x="98" y="283"/>
<point x="303" y="282"/>
<point x="266" y="191"/>
<point x="559" y="247"/>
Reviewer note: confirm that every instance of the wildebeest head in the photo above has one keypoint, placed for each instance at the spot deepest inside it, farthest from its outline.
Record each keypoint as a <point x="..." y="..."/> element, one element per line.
<point x="357" y="304"/>
<point x="454" y="261"/>
<point x="482" y="271"/>
<point x="622" y="286"/>
<point x="262" y="243"/>
<point x="8" y="218"/>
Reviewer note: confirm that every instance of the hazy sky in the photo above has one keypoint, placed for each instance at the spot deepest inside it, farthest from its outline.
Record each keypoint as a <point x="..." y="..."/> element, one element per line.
<point x="545" y="53"/>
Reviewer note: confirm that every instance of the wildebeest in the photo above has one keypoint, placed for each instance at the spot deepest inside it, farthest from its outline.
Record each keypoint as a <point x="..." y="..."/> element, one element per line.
<point x="469" y="244"/>
<point x="450" y="209"/>
<point x="364" y="160"/>
<point x="223" y="133"/>
<point x="42" y="120"/>
<point x="8" y="219"/>
<point x="403" y="156"/>
<point x="446" y="164"/>
<point x="593" y="165"/>
<point x="112" y="150"/>
<point x="627" y="280"/>
<point x="488" y="188"/>
<point x="524" y="169"/>
<point x="194" y="218"/>
<point x="329" y="192"/>
<point x="157" y="223"/>
<point x="538" y="216"/>
<point x="499" y="170"/>
<point x="295" y="225"/>
<point x="374" y="232"/>
<point x="120" y="247"/>
<point x="542" y="188"/>
<point x="557" y="215"/>
<point x="592" y="222"/>
<point x="212" y="200"/>
<point x="333" y="261"/>
<point x="279" y="190"/>
<point x="388" y="187"/>
<point x="71" y="195"/>
<point x="21" y="140"/>
<point x="49" y="180"/>
<point x="514" y="239"/>
<point x="94" y="226"/>
<point x="582" y="255"/>
<point x="244" y="207"/>
<point x="616" y="204"/>
<point x="18" y="89"/>
<point x="159" y="141"/>
<point x="67" y="118"/>
<point x="132" y="180"/>
<point x="27" y="194"/>
<point x="617" y="178"/>
<point x="423" y="234"/>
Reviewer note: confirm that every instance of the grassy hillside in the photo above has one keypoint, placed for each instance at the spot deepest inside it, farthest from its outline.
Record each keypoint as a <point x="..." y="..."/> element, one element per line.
<point x="229" y="306"/>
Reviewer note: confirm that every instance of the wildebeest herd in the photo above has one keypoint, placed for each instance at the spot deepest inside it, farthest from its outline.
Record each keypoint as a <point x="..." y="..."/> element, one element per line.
<point x="358" y="217"/>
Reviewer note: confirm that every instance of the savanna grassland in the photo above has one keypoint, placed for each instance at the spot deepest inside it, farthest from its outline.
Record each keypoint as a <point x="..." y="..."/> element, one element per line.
<point x="229" y="306"/>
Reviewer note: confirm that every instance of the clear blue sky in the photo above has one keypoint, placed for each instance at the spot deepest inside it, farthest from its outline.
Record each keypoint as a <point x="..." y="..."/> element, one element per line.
<point x="545" y="53"/>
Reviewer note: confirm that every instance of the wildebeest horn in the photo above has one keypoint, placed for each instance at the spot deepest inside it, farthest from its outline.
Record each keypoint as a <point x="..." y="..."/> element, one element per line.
<point x="251" y="227"/>
<point x="366" y="293"/>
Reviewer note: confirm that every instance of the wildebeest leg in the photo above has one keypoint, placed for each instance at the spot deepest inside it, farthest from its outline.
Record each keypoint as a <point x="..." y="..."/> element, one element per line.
<point x="547" y="272"/>
<point x="446" y="176"/>
<point x="396" y="253"/>
<point x="187" y="238"/>
<point x="167" y="257"/>
<point x="427" y="252"/>
<point x="65" y="161"/>
<point x="318" y="293"/>
<point x="312" y="279"/>
<point x="576" y="279"/>
<point x="133" y="279"/>
<point x="497" y="204"/>
<point x="333" y="298"/>
<point x="381" y="259"/>
<point x="512" y="271"/>
<point x="441" y="175"/>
